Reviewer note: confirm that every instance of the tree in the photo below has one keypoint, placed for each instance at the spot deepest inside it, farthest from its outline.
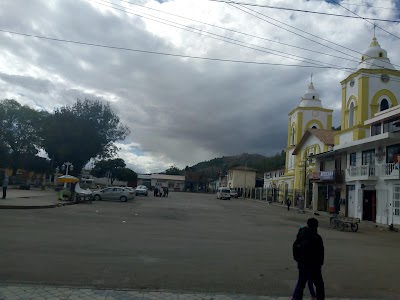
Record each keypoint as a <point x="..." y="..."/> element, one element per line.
<point x="21" y="130"/>
<point x="172" y="170"/>
<point x="126" y="174"/>
<point x="110" y="167"/>
<point x="85" y="130"/>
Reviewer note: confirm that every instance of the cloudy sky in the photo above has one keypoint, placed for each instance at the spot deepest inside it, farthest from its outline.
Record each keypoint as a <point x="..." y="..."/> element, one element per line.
<point x="183" y="110"/>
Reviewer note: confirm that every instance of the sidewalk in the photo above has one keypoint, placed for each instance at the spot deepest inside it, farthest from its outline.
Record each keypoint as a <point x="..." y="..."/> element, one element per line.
<point x="323" y="214"/>
<point x="31" y="292"/>
<point x="33" y="198"/>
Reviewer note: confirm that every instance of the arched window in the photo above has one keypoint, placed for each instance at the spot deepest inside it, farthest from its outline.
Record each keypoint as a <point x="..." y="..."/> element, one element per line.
<point x="384" y="105"/>
<point x="351" y="115"/>
<point x="315" y="127"/>
<point x="380" y="54"/>
<point x="293" y="134"/>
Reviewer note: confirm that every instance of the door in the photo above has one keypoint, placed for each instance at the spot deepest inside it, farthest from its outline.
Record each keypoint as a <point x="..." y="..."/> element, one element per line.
<point x="351" y="201"/>
<point x="369" y="205"/>
<point x="396" y="204"/>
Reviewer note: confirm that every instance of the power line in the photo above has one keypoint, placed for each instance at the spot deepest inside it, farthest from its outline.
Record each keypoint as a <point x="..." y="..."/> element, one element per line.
<point x="362" y="5"/>
<point x="159" y="53"/>
<point x="307" y="38"/>
<point x="301" y="10"/>
<point x="366" y="19"/>
<point x="225" y="39"/>
<point x="243" y="33"/>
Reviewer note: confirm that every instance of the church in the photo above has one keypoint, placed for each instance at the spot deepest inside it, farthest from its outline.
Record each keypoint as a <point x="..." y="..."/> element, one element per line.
<point x="351" y="169"/>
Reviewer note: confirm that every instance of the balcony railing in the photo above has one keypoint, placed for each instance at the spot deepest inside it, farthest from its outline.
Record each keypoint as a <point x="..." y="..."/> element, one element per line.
<point x="387" y="169"/>
<point x="364" y="170"/>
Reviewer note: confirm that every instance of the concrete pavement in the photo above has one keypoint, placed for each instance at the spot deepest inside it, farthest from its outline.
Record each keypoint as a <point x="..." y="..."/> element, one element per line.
<point x="32" y="292"/>
<point x="33" y="198"/>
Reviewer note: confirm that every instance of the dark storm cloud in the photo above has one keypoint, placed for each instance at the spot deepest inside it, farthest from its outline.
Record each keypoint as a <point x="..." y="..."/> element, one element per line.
<point x="180" y="110"/>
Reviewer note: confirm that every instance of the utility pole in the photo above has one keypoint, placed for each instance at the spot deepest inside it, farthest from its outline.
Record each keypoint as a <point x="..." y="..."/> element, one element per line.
<point x="245" y="179"/>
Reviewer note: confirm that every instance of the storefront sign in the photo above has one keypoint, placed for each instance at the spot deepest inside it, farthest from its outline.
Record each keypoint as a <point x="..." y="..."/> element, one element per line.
<point x="327" y="175"/>
<point x="314" y="175"/>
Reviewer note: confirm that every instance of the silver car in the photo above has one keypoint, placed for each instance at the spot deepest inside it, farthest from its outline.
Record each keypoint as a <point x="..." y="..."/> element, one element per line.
<point x="142" y="190"/>
<point x="114" y="193"/>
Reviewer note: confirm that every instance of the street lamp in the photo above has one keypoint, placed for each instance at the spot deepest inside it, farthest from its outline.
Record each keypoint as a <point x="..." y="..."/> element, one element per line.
<point x="67" y="166"/>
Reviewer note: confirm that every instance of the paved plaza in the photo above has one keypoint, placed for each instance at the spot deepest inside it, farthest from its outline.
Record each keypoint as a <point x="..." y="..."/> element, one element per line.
<point x="26" y="292"/>
<point x="192" y="244"/>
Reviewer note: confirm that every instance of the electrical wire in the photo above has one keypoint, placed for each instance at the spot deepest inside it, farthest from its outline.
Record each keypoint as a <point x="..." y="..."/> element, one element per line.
<point x="361" y="5"/>
<point x="366" y="19"/>
<point x="301" y="10"/>
<point x="225" y="39"/>
<point x="323" y="39"/>
<point x="159" y="53"/>
<point x="239" y="32"/>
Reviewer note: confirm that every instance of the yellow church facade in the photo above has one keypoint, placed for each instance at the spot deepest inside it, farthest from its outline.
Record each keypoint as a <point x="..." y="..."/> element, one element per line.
<point x="373" y="86"/>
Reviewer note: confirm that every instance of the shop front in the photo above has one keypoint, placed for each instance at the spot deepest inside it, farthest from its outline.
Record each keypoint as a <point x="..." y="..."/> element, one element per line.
<point x="328" y="188"/>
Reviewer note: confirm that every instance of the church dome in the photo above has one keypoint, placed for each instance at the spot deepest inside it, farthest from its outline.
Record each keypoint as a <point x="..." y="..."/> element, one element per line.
<point x="375" y="57"/>
<point x="310" y="98"/>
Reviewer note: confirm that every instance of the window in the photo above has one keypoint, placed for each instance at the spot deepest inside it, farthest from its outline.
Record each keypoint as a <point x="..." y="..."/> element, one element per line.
<point x="293" y="133"/>
<point x="375" y="129"/>
<point x="322" y="166"/>
<point x="315" y="127"/>
<point x="351" y="115"/>
<point x="313" y="97"/>
<point x="338" y="164"/>
<point x="380" y="54"/>
<point x="384" y="105"/>
<point x="353" y="159"/>
<point x="392" y="153"/>
<point x="368" y="157"/>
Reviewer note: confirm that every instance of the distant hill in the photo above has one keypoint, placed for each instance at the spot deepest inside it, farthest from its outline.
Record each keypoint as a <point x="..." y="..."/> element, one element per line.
<point x="256" y="161"/>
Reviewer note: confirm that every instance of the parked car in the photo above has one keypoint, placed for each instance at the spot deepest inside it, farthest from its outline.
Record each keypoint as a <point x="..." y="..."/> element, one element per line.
<point x="234" y="194"/>
<point x="114" y="193"/>
<point x="224" y="193"/>
<point x="142" y="190"/>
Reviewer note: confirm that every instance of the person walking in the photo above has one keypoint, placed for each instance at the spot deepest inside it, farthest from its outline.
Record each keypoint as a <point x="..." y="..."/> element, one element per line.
<point x="5" y="186"/>
<point x="308" y="252"/>
<point x="155" y="192"/>
<point x="288" y="203"/>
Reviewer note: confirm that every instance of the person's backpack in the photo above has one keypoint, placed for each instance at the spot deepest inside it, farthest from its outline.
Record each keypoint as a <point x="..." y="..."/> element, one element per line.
<point x="301" y="246"/>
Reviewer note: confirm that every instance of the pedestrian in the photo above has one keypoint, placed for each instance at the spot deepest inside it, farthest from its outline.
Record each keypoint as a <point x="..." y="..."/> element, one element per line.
<point x="5" y="186"/>
<point x="308" y="252"/>
<point x="297" y="200"/>
<point x="155" y="192"/>
<point x="166" y="192"/>
<point x="288" y="203"/>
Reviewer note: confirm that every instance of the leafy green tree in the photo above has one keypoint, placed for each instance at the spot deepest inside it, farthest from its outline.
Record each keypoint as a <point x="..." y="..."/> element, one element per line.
<point x="111" y="167"/>
<point x="85" y="130"/>
<point x="172" y="170"/>
<point x="21" y="130"/>
<point x="126" y="174"/>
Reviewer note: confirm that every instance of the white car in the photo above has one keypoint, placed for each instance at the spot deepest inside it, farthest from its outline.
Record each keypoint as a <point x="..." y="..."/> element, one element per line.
<point x="114" y="193"/>
<point x="142" y="190"/>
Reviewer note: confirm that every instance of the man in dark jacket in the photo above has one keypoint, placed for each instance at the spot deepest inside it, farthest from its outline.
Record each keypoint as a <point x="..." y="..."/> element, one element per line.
<point x="308" y="251"/>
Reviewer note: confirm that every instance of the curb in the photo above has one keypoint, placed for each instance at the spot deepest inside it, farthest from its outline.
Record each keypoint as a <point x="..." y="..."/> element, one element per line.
<point x="36" y="206"/>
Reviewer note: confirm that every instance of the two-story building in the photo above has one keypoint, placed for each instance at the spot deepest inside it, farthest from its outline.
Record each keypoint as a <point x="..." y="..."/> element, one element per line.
<point x="359" y="166"/>
<point x="241" y="178"/>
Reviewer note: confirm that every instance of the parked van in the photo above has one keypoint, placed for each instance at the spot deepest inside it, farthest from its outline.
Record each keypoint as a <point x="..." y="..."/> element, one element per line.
<point x="224" y="193"/>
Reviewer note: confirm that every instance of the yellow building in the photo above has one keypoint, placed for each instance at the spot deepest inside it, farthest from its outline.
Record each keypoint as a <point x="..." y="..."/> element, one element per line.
<point x="373" y="87"/>
<point x="309" y="119"/>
